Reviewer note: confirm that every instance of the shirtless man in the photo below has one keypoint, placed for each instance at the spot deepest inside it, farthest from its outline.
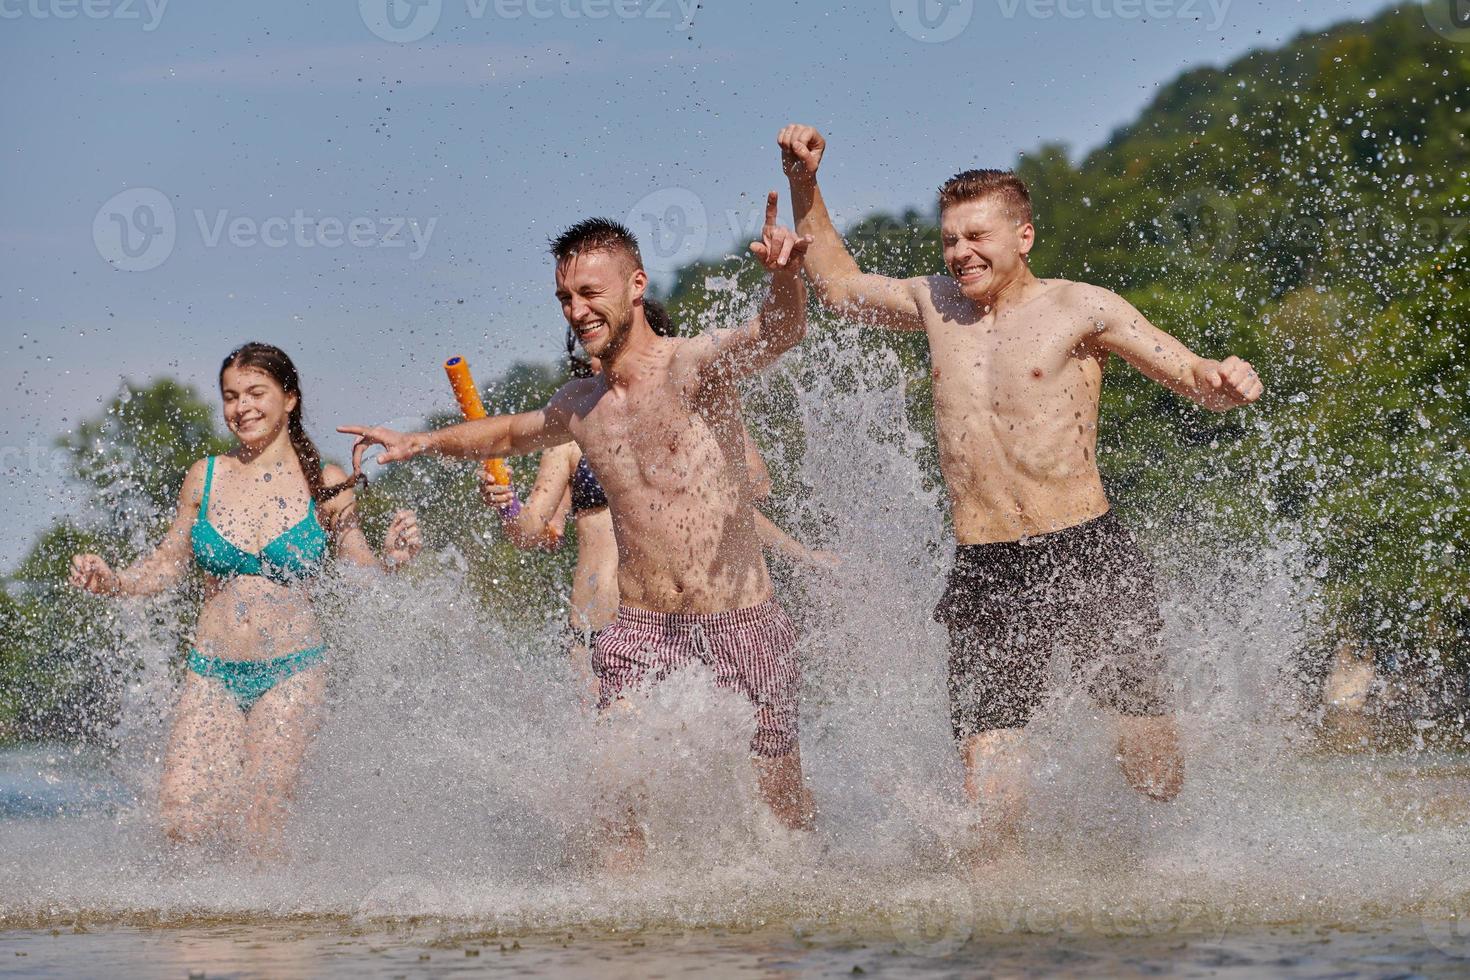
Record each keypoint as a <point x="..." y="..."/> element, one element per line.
<point x="661" y="426"/>
<point x="1041" y="565"/>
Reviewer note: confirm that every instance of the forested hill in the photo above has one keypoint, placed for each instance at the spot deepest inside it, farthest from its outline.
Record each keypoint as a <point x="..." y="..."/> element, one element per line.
<point x="1259" y="163"/>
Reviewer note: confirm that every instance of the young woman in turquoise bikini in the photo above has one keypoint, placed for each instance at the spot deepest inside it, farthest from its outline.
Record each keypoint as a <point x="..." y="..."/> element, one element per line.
<point x="257" y="522"/>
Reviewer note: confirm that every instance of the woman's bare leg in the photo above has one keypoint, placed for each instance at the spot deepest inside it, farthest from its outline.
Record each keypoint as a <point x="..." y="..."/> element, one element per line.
<point x="203" y="765"/>
<point x="278" y="731"/>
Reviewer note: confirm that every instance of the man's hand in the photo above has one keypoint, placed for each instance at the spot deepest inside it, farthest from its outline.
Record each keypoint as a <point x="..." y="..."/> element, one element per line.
<point x="801" y="151"/>
<point x="397" y="446"/>
<point x="1227" y="384"/>
<point x="778" y="245"/>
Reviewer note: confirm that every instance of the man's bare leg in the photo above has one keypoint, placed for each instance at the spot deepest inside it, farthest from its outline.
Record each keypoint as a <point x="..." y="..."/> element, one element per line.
<point x="995" y="781"/>
<point x="785" y="791"/>
<point x="1150" y="757"/>
<point x="622" y="847"/>
<point x="620" y="844"/>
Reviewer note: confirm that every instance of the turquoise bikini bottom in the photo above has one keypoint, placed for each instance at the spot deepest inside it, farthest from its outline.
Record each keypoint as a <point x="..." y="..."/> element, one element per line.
<point x="249" y="680"/>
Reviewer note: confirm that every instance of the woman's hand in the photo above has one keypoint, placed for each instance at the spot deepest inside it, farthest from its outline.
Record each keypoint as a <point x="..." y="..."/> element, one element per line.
<point x="403" y="541"/>
<point x="91" y="574"/>
<point x="497" y="495"/>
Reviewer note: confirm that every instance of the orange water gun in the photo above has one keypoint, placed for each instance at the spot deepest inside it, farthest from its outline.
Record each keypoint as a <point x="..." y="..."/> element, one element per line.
<point x="471" y="407"/>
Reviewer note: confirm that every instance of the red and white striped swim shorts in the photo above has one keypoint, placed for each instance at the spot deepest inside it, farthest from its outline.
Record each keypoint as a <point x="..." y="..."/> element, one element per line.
<point x="750" y="650"/>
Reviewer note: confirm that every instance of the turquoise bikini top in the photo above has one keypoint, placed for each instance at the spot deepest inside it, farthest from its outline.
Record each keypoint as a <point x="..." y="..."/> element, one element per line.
<point x="295" y="554"/>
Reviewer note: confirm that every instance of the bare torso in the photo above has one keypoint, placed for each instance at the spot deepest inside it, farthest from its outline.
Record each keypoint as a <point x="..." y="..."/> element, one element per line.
<point x="672" y="462"/>
<point x="1015" y="403"/>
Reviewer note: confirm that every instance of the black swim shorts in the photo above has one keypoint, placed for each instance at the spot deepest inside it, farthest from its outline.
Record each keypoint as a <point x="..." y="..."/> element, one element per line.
<point x="1085" y="593"/>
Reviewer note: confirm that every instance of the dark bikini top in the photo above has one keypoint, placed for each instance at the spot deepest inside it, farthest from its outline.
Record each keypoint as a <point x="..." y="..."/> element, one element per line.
<point x="296" y="553"/>
<point x="587" y="493"/>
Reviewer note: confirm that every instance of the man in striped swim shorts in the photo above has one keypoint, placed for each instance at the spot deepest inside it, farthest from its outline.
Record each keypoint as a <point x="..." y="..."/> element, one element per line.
<point x="752" y="651"/>
<point x="662" y="428"/>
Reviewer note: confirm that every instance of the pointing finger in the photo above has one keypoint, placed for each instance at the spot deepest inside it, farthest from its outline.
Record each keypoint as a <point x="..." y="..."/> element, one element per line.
<point x="771" y="209"/>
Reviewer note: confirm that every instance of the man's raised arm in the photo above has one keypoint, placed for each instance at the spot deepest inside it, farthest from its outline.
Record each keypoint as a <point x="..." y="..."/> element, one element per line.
<point x="840" y="285"/>
<point x="498" y="435"/>
<point x="723" y="355"/>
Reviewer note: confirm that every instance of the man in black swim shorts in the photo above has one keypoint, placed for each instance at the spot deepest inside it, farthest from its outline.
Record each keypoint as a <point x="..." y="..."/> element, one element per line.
<point x="1042" y="568"/>
<point x="1085" y="593"/>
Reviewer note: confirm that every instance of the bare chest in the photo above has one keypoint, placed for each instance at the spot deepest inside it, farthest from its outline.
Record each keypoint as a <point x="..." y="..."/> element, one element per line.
<point x="649" y="441"/>
<point x="1016" y="363"/>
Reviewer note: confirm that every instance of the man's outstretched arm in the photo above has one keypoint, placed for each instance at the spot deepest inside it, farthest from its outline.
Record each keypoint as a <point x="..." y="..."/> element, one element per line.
<point x="840" y="285"/>
<point x="498" y="435"/>
<point x="1119" y="327"/>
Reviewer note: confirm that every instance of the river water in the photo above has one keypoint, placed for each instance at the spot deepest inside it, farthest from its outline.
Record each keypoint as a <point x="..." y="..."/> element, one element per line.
<point x="445" y="804"/>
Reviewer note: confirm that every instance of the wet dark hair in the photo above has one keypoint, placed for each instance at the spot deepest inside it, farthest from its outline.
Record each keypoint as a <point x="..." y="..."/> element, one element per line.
<point x="274" y="362"/>
<point x="973" y="185"/>
<point x="659" y="322"/>
<point x="597" y="235"/>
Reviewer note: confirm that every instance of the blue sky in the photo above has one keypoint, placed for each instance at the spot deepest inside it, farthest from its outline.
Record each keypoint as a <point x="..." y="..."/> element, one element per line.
<point x="373" y="200"/>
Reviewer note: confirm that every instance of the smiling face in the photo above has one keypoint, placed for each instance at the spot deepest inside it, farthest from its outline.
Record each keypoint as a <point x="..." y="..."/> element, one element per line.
<point x="984" y="246"/>
<point x="257" y="408"/>
<point x="597" y="291"/>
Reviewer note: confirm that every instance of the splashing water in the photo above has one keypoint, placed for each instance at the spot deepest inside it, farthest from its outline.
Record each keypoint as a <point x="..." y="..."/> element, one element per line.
<point x="456" y="777"/>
